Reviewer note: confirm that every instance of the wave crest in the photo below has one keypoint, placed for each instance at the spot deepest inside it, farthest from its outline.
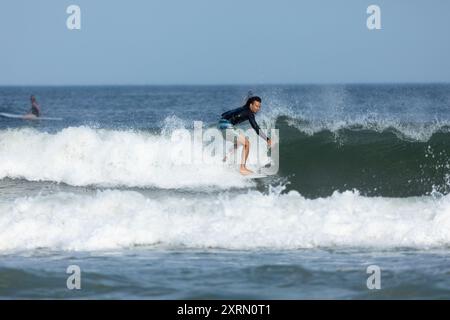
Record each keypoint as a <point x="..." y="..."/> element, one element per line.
<point x="83" y="156"/>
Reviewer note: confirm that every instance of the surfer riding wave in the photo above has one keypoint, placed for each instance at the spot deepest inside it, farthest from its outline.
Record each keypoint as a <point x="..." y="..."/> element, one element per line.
<point x="233" y="117"/>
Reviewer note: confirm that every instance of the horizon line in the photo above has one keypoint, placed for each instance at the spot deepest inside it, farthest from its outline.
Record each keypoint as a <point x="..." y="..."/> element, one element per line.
<point x="225" y="84"/>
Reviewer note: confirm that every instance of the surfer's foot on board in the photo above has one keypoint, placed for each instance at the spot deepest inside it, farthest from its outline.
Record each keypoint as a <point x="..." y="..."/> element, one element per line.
<point x="244" y="171"/>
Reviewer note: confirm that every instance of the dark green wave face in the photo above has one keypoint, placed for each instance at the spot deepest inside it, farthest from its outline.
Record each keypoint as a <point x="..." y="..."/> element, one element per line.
<point x="377" y="163"/>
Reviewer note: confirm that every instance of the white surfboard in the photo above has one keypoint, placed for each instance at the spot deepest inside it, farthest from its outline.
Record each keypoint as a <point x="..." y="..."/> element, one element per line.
<point x="26" y="117"/>
<point x="255" y="176"/>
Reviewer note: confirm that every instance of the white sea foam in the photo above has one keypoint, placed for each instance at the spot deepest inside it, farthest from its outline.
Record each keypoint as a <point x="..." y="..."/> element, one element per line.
<point x="119" y="219"/>
<point x="82" y="156"/>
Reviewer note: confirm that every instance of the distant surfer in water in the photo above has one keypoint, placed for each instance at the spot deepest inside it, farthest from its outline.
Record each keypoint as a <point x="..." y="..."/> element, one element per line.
<point x="233" y="117"/>
<point x="35" y="109"/>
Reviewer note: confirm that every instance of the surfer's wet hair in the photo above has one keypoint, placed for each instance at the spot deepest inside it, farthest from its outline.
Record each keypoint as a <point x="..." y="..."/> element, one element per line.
<point x="251" y="100"/>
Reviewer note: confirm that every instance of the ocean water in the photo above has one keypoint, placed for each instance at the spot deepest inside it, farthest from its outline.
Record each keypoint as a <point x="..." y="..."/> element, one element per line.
<point x="364" y="179"/>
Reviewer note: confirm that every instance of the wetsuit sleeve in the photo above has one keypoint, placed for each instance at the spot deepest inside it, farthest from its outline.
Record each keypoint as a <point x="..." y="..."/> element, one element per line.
<point x="225" y="115"/>
<point x="255" y="126"/>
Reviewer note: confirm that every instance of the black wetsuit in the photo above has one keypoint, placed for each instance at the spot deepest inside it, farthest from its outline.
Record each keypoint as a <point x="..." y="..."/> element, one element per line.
<point x="242" y="114"/>
<point x="35" y="111"/>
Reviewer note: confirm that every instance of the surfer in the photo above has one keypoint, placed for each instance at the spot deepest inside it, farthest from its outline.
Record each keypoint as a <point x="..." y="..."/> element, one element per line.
<point x="34" y="113"/>
<point x="233" y="117"/>
<point x="35" y="109"/>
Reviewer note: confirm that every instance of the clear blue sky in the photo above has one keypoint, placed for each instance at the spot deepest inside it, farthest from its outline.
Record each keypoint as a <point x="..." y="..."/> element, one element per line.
<point x="223" y="42"/>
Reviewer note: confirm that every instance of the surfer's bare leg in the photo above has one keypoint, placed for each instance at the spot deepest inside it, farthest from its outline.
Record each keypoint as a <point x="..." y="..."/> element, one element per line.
<point x="245" y="151"/>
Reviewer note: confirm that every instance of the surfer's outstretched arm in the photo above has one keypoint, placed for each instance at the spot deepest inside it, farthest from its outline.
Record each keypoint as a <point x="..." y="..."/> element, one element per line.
<point x="257" y="129"/>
